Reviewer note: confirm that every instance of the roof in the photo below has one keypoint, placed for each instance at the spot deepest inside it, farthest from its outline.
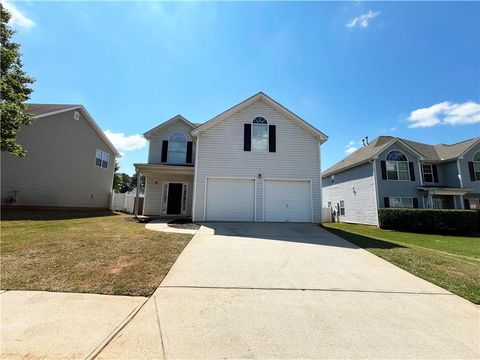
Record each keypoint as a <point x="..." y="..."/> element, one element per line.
<point x="277" y="106"/>
<point x="44" y="110"/>
<point x="435" y="153"/>
<point x="150" y="132"/>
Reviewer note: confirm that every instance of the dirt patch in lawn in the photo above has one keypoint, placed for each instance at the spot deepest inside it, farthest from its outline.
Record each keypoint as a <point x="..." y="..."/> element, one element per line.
<point x="183" y="224"/>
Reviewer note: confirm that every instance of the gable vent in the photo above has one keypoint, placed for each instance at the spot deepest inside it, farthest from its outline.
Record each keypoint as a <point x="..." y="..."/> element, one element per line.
<point x="76" y="115"/>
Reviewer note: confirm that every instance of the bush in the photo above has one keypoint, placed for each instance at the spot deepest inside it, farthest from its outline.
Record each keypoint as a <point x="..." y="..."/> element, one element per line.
<point x="431" y="221"/>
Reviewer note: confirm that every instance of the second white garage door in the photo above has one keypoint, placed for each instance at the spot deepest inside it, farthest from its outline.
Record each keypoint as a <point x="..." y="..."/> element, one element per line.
<point x="230" y="200"/>
<point x="288" y="201"/>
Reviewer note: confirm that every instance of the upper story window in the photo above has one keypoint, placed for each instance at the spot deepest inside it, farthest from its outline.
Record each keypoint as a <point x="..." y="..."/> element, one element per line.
<point x="427" y="170"/>
<point x="260" y="134"/>
<point x="177" y="148"/>
<point x="101" y="159"/>
<point x="397" y="166"/>
<point x="476" y="165"/>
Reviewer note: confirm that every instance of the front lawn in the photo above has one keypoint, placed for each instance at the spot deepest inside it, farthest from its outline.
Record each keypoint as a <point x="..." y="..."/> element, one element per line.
<point x="93" y="252"/>
<point x="452" y="262"/>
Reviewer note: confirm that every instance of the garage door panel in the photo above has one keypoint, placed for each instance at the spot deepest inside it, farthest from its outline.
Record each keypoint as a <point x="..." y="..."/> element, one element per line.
<point x="230" y="200"/>
<point x="287" y="201"/>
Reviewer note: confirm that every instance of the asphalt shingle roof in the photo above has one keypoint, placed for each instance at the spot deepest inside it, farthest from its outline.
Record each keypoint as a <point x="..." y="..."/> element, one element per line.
<point x="440" y="152"/>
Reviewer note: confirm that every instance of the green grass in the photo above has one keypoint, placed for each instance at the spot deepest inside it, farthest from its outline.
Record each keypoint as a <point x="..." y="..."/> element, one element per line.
<point x="92" y="252"/>
<point x="452" y="262"/>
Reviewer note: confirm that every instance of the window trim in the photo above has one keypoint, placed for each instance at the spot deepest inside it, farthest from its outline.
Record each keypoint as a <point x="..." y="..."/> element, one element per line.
<point x="102" y="154"/>
<point x="476" y="163"/>
<point x="431" y="173"/>
<point x="169" y="151"/>
<point x="396" y="165"/>
<point x="340" y="208"/>
<point x="402" y="198"/>
<point x="251" y="133"/>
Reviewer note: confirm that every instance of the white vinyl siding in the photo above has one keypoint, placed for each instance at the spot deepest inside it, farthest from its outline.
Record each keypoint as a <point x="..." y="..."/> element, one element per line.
<point x="287" y="201"/>
<point x="230" y="200"/>
<point x="221" y="154"/>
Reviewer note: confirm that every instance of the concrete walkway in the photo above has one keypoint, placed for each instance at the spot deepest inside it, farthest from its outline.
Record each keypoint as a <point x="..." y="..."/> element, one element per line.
<point x="162" y="225"/>
<point x="294" y="291"/>
<point x="45" y="325"/>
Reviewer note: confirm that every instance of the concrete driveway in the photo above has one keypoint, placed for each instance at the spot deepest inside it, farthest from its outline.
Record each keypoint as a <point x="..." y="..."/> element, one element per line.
<point x="294" y="291"/>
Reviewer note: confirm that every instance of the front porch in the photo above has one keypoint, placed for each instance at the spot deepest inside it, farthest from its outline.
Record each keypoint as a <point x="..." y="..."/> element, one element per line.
<point x="168" y="190"/>
<point x="443" y="197"/>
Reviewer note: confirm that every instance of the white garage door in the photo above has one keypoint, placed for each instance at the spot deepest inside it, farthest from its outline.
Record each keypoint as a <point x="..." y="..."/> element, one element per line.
<point x="230" y="200"/>
<point x="287" y="201"/>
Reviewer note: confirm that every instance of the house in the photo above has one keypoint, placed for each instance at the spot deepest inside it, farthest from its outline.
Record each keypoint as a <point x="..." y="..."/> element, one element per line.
<point x="256" y="161"/>
<point x="69" y="161"/>
<point x="391" y="172"/>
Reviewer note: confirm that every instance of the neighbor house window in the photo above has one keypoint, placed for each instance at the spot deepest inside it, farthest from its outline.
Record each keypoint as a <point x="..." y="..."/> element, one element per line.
<point x="397" y="166"/>
<point x="427" y="172"/>
<point x="476" y="165"/>
<point x="101" y="159"/>
<point x="177" y="149"/>
<point x="342" y="207"/>
<point x="401" y="202"/>
<point x="259" y="134"/>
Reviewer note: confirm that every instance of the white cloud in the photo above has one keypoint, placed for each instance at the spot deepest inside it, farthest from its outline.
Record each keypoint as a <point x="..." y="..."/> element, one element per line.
<point x="351" y="147"/>
<point x="126" y="143"/>
<point x="445" y="113"/>
<point x="362" y="20"/>
<point x="17" y="17"/>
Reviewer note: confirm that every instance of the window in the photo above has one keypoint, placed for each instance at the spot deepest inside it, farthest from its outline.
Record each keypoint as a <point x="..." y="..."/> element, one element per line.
<point x="427" y="172"/>
<point x="401" y="202"/>
<point x="342" y="207"/>
<point x="329" y="204"/>
<point x="177" y="149"/>
<point x="397" y="166"/>
<point x="259" y="134"/>
<point x="476" y="165"/>
<point x="101" y="159"/>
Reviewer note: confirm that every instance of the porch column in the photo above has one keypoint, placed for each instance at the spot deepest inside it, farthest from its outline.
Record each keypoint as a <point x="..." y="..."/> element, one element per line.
<point x="137" y="192"/>
<point x="430" y="200"/>
<point x="462" y="205"/>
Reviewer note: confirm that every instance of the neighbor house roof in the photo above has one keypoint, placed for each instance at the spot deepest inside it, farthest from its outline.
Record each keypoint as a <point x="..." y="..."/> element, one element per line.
<point x="44" y="110"/>
<point x="277" y="106"/>
<point x="436" y="153"/>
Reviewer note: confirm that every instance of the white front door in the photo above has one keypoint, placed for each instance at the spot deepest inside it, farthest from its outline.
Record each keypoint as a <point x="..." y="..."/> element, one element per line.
<point x="230" y="200"/>
<point x="287" y="201"/>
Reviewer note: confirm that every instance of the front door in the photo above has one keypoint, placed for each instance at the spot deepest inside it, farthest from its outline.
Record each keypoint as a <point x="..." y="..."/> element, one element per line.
<point x="174" y="204"/>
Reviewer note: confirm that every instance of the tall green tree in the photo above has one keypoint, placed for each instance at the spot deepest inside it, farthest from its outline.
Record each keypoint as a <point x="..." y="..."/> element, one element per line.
<point x="14" y="88"/>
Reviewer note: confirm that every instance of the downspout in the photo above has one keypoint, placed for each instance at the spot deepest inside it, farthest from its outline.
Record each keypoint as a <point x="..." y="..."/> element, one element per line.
<point x="136" y="193"/>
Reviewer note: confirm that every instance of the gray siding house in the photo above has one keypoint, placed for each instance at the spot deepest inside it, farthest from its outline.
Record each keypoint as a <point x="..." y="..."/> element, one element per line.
<point x="394" y="172"/>
<point x="257" y="161"/>
<point x="69" y="161"/>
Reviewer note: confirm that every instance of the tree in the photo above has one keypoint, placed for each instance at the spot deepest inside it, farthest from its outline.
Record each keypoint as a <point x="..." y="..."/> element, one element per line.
<point x="14" y="89"/>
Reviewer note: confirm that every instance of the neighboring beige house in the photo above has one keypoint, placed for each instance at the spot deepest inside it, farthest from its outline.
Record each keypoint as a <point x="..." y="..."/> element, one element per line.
<point x="256" y="161"/>
<point x="69" y="161"/>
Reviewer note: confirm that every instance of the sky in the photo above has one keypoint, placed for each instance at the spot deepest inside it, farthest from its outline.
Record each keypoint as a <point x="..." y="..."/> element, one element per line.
<point x="351" y="69"/>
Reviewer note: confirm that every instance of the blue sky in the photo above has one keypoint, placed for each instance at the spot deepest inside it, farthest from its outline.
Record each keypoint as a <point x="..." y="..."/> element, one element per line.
<point x="352" y="69"/>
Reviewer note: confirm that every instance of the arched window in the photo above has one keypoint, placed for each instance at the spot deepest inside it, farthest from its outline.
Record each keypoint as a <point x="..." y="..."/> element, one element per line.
<point x="260" y="134"/>
<point x="397" y="166"/>
<point x="177" y="149"/>
<point x="476" y="165"/>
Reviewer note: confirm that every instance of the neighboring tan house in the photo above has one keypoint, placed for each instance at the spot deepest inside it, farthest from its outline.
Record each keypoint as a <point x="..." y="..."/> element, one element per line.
<point x="69" y="161"/>
<point x="394" y="172"/>
<point x="256" y="161"/>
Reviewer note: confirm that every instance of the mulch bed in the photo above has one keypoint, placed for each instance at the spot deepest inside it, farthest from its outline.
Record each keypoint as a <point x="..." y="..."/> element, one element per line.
<point x="183" y="224"/>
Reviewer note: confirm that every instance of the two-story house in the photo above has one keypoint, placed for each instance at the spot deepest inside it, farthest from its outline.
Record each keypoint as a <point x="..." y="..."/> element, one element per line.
<point x="392" y="172"/>
<point x="257" y="161"/>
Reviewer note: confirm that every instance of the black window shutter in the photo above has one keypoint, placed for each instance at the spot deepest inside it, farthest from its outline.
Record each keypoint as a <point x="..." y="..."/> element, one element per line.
<point x="247" y="137"/>
<point x="412" y="171"/>
<point x="466" y="204"/>
<point x="415" y="203"/>
<point x="472" y="171"/>
<point x="272" y="138"/>
<point x="435" y="173"/>
<point x="189" y="152"/>
<point x="386" y="201"/>
<point x="164" y="150"/>
<point x="384" y="169"/>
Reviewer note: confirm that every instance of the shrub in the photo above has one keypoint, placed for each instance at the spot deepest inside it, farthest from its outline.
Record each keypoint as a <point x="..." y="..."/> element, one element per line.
<point x="429" y="220"/>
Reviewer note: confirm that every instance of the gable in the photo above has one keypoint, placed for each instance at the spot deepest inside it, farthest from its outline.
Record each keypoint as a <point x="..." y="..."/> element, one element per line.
<point x="177" y="120"/>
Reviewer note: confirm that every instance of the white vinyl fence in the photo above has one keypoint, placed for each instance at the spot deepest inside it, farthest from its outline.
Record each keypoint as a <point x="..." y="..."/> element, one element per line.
<point x="327" y="215"/>
<point x="124" y="202"/>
